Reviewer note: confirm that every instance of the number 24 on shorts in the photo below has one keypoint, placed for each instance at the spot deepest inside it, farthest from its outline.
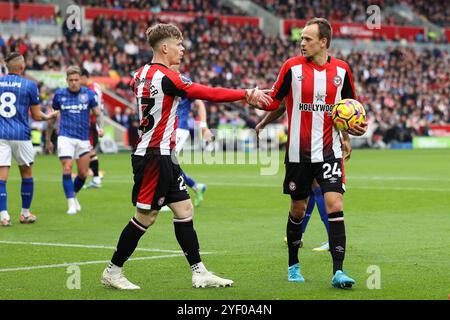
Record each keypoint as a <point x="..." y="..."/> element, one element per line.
<point x="335" y="171"/>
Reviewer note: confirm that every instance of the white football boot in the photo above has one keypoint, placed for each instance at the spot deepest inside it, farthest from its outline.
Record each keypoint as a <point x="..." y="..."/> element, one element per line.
<point x="117" y="280"/>
<point x="207" y="279"/>
<point x="72" y="206"/>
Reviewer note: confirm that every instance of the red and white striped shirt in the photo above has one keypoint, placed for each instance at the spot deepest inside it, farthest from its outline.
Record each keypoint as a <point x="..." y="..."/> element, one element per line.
<point x="157" y="90"/>
<point x="310" y="91"/>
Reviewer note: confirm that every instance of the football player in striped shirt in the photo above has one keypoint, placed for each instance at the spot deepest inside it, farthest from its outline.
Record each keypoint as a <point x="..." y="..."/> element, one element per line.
<point x="316" y="195"/>
<point x="310" y="85"/>
<point x="157" y="176"/>
<point x="17" y="97"/>
<point x="75" y="104"/>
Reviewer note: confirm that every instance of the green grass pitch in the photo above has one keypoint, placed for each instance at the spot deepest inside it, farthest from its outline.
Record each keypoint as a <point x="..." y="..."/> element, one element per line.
<point x="397" y="213"/>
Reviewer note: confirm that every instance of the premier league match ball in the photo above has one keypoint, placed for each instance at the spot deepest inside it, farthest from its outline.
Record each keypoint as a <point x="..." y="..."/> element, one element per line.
<point x="347" y="113"/>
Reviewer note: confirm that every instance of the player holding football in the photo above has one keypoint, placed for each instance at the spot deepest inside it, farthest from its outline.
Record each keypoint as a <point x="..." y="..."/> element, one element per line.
<point x="310" y="85"/>
<point x="94" y="163"/>
<point x="75" y="104"/>
<point x="17" y="96"/>
<point x="157" y="179"/>
<point x="316" y="195"/>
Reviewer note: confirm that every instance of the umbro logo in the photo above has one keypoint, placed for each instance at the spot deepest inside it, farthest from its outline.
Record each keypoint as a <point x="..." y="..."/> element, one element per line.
<point x="340" y="249"/>
<point x="297" y="243"/>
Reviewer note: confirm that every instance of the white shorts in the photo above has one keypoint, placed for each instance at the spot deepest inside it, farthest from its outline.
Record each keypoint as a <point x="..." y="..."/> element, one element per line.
<point x="72" y="148"/>
<point x="21" y="150"/>
<point x="182" y="136"/>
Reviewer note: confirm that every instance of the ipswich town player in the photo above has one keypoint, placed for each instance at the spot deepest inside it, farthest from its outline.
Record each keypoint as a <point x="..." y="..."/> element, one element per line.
<point x="310" y="85"/>
<point x="75" y="104"/>
<point x="157" y="179"/>
<point x="17" y="96"/>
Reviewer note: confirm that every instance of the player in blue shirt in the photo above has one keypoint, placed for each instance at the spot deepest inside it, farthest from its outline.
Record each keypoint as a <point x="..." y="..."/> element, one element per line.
<point x="184" y="108"/>
<point x="17" y="96"/>
<point x="75" y="104"/>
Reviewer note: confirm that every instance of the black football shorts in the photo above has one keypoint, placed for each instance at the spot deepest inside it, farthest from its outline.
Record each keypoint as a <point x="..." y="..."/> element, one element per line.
<point x="157" y="182"/>
<point x="299" y="177"/>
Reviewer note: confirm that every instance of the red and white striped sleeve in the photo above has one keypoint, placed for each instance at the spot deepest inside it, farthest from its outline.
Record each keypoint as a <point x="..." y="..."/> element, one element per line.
<point x="174" y="84"/>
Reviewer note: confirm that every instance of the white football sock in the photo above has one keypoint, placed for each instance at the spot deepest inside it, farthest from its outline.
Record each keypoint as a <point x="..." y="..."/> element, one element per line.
<point x="25" y="212"/>
<point x="112" y="268"/>
<point x="71" y="202"/>
<point x="97" y="180"/>
<point x="4" y="215"/>
<point x="198" y="267"/>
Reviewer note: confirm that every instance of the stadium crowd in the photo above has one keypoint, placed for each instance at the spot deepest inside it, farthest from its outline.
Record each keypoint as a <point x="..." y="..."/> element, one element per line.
<point x="156" y="6"/>
<point x="355" y="11"/>
<point x="404" y="91"/>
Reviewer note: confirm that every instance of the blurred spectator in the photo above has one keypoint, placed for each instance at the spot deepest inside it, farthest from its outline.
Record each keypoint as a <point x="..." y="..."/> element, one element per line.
<point x="404" y="91"/>
<point x="133" y="125"/>
<point x="119" y="117"/>
<point x="213" y="117"/>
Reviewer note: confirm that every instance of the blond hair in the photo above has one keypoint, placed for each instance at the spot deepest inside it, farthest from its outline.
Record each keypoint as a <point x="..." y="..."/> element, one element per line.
<point x="73" y="70"/>
<point x="162" y="31"/>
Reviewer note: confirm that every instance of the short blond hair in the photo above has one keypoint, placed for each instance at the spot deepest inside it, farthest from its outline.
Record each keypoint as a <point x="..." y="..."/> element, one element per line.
<point x="73" y="70"/>
<point x="162" y="31"/>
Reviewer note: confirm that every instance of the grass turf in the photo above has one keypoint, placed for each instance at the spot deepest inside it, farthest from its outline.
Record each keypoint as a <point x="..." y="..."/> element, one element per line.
<point x="397" y="211"/>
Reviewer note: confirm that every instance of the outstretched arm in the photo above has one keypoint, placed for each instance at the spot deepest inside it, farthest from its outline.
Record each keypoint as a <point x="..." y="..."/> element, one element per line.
<point x="173" y="84"/>
<point x="38" y="115"/>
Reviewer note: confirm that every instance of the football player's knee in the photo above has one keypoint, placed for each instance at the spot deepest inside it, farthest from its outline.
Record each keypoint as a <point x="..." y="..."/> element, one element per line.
<point x="184" y="212"/>
<point x="83" y="173"/>
<point x="298" y="209"/>
<point x="335" y="206"/>
<point x="67" y="169"/>
<point x="146" y="217"/>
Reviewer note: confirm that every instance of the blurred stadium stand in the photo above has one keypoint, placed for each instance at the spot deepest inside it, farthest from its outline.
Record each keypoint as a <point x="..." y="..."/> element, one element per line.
<point x="401" y="70"/>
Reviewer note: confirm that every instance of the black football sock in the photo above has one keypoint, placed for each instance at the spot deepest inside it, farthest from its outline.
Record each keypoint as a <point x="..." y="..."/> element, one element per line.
<point x="128" y="241"/>
<point x="94" y="166"/>
<point x="187" y="239"/>
<point x="336" y="239"/>
<point x="294" y="236"/>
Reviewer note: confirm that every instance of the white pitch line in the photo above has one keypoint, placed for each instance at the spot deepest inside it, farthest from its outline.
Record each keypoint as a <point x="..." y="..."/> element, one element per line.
<point x="70" y="245"/>
<point x="88" y="246"/>
<point x="86" y="263"/>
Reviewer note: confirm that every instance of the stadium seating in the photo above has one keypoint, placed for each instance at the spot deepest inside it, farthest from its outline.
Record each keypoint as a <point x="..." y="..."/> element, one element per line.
<point x="394" y="85"/>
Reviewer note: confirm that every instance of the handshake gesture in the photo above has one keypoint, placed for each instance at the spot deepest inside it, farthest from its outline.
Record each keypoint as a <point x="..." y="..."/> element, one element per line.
<point x="258" y="98"/>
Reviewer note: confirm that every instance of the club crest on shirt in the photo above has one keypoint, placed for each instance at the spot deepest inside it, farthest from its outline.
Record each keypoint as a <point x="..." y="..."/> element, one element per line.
<point x="185" y="80"/>
<point x="337" y="81"/>
<point x="83" y="98"/>
<point x="161" y="201"/>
